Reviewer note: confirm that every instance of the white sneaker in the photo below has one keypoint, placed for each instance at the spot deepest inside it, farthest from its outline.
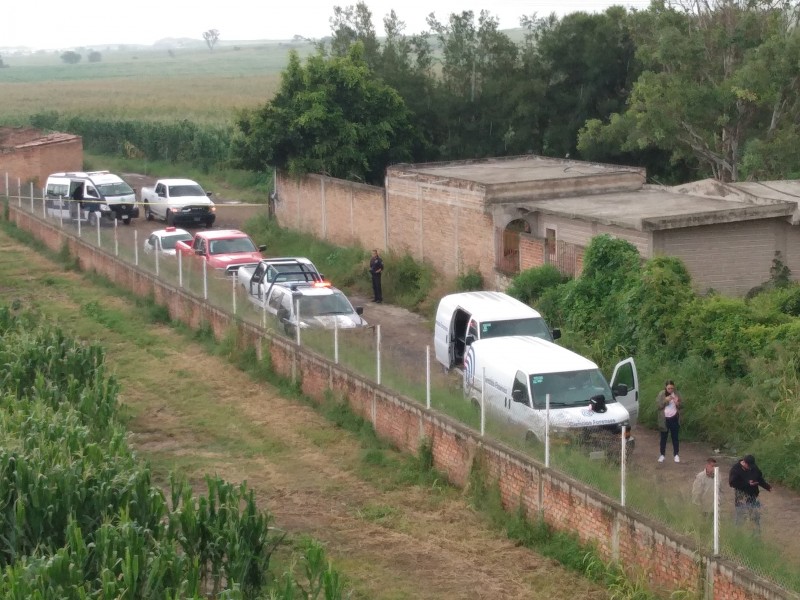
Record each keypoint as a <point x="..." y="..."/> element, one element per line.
<point x="677" y="458"/>
<point x="661" y="458"/>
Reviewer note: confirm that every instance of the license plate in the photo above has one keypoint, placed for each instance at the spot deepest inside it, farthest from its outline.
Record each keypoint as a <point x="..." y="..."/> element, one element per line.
<point x="197" y="219"/>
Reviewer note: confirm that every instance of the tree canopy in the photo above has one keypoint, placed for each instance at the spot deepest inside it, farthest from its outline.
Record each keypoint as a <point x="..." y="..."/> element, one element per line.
<point x="330" y="116"/>
<point x="686" y="88"/>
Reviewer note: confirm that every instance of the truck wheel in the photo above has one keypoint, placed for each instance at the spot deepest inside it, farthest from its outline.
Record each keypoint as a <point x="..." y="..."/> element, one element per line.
<point x="531" y="440"/>
<point x="148" y="214"/>
<point x="92" y="218"/>
<point x="170" y="218"/>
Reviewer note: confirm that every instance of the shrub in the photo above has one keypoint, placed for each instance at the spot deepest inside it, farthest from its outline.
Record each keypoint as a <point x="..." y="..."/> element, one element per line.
<point x="471" y="280"/>
<point x="529" y="285"/>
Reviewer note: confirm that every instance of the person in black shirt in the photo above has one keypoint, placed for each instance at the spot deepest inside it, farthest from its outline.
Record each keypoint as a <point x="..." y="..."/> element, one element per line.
<point x="745" y="478"/>
<point x="376" y="269"/>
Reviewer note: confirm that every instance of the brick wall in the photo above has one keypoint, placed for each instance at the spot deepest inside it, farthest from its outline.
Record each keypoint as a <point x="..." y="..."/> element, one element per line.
<point x="531" y="252"/>
<point x="441" y="225"/>
<point x="35" y="162"/>
<point x="641" y="545"/>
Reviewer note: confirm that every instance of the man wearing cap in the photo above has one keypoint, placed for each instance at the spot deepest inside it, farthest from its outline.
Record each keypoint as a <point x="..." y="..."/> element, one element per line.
<point x="745" y="478"/>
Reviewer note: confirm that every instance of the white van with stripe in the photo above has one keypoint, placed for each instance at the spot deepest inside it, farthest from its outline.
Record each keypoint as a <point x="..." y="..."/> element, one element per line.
<point x="470" y="316"/>
<point x="520" y="371"/>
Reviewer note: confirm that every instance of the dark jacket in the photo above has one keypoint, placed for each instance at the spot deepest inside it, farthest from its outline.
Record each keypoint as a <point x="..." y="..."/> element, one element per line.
<point x="739" y="479"/>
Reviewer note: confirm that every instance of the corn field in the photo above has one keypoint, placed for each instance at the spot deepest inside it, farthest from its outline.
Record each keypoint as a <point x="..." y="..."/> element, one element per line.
<point x="79" y="515"/>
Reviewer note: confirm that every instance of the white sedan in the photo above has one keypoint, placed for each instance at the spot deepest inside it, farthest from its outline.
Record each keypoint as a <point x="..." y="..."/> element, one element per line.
<point x="163" y="240"/>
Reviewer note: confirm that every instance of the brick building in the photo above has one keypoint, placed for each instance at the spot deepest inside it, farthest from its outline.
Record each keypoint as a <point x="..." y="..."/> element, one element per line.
<point x="30" y="155"/>
<point x="500" y="216"/>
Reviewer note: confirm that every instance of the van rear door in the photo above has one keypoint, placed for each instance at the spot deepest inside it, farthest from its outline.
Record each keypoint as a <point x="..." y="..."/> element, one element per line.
<point x="443" y="334"/>
<point x="625" y="372"/>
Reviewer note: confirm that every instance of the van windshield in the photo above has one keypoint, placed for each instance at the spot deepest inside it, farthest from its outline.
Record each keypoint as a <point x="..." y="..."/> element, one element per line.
<point x="537" y="327"/>
<point x="570" y="388"/>
<point x="115" y="189"/>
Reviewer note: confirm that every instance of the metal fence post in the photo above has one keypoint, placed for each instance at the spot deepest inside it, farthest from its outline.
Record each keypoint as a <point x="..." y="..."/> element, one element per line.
<point x="136" y="247"/>
<point x="233" y="291"/>
<point x="297" y="317"/>
<point x="716" y="511"/>
<point x="180" y="275"/>
<point x="19" y="192"/>
<point x="547" y="430"/>
<point x="97" y="222"/>
<point x="156" y="251"/>
<point x="205" y="280"/>
<point x="116" y="239"/>
<point x="61" y="211"/>
<point x="378" y="355"/>
<point x="31" y="197"/>
<point x="428" y="376"/>
<point x="44" y="205"/>
<point x="483" y="402"/>
<point x="335" y="342"/>
<point x="622" y="467"/>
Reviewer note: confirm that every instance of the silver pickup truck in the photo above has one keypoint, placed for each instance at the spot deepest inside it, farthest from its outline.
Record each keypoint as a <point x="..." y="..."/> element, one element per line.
<point x="256" y="280"/>
<point x="284" y="286"/>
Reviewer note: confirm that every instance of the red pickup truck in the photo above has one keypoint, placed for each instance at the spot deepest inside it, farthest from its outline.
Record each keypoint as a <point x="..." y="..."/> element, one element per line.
<point x="222" y="249"/>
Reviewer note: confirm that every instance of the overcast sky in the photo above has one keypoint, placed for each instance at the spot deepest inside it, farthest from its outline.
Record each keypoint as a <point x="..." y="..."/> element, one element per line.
<point x="57" y="24"/>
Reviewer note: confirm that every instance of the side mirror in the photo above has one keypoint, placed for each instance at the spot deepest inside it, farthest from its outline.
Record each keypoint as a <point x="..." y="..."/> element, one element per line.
<point x="556" y="333"/>
<point x="359" y="310"/>
<point x="198" y="251"/>
<point x="620" y="389"/>
<point x="209" y="194"/>
<point x="469" y="339"/>
<point x="517" y="396"/>
<point x="262" y="248"/>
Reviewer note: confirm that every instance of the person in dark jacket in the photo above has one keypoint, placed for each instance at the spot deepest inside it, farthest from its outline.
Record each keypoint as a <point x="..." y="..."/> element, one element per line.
<point x="745" y="478"/>
<point x="376" y="270"/>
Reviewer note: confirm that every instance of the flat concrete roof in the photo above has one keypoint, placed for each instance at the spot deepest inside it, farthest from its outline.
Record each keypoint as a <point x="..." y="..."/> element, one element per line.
<point x="22" y="137"/>
<point x="515" y="169"/>
<point x="657" y="208"/>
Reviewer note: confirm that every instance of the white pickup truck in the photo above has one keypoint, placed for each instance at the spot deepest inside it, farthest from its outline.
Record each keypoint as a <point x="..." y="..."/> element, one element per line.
<point x="178" y="201"/>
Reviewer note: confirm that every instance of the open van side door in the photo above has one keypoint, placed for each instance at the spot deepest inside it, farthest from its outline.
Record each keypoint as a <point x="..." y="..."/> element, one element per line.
<point x="443" y="339"/>
<point x="625" y="373"/>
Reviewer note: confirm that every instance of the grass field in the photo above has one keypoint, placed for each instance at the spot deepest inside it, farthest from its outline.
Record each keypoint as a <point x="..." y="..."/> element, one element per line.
<point x="202" y="86"/>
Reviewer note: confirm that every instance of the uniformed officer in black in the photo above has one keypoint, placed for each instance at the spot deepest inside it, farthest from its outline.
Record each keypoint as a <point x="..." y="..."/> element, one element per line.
<point x="375" y="269"/>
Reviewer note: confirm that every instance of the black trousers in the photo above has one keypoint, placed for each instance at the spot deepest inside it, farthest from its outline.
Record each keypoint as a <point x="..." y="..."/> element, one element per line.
<point x="377" y="294"/>
<point x="673" y="427"/>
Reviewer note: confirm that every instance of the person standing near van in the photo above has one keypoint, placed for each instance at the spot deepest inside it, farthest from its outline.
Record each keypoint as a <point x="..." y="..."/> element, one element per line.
<point x="668" y="404"/>
<point x="376" y="270"/>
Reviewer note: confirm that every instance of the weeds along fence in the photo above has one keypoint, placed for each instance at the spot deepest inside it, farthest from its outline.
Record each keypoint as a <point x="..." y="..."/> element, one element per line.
<point x="80" y="516"/>
<point x="631" y="516"/>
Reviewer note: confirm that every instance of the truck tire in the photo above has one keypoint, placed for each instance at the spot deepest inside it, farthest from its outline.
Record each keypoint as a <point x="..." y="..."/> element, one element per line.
<point x="92" y="218"/>
<point x="148" y="214"/>
<point x="170" y="218"/>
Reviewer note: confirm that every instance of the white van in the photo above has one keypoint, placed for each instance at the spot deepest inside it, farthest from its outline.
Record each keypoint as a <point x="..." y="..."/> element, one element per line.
<point x="521" y="371"/>
<point x="469" y="316"/>
<point x="89" y="195"/>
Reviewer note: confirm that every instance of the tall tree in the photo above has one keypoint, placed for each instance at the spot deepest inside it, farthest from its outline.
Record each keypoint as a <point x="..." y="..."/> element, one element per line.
<point x="721" y="76"/>
<point x="211" y="37"/>
<point x="330" y="116"/>
<point x="351" y="24"/>
<point x="586" y="62"/>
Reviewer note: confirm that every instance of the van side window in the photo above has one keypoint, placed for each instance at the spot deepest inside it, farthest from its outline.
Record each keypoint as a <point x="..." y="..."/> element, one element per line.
<point x="519" y="392"/>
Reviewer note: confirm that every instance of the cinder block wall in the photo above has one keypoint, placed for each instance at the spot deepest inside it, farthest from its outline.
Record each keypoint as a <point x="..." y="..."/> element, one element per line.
<point x="670" y="561"/>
